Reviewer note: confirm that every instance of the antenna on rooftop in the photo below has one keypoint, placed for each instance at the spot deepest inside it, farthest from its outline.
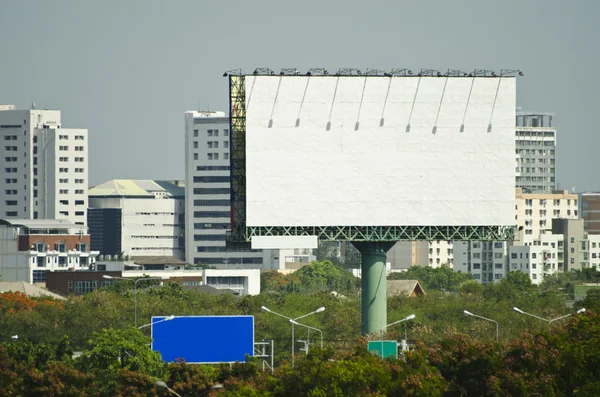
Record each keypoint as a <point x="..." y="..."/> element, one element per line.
<point x="33" y="105"/>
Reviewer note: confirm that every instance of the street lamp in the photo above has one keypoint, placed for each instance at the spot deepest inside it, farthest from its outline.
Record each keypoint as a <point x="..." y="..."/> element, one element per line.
<point x="163" y="386"/>
<point x="309" y="327"/>
<point x="407" y="318"/>
<point x="484" y="318"/>
<point x="292" y="320"/>
<point x="168" y="318"/>
<point x="135" y="281"/>
<point x="549" y="321"/>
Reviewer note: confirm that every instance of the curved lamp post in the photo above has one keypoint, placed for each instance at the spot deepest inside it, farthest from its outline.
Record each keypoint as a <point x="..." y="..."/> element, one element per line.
<point x="407" y="318"/>
<point x="163" y="386"/>
<point x="309" y="327"/>
<point x="293" y="322"/>
<point x="168" y="318"/>
<point x="549" y="321"/>
<point x="484" y="318"/>
<point x="135" y="281"/>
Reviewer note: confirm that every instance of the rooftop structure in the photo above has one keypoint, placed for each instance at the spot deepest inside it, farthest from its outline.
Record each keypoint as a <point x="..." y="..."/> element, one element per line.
<point x="138" y="218"/>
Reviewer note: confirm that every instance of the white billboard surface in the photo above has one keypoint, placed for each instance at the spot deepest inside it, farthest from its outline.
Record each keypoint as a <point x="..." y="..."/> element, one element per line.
<point x="380" y="151"/>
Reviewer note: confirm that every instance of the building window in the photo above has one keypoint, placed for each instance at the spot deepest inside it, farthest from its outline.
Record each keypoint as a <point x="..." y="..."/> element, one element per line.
<point x="195" y="133"/>
<point x="79" y="148"/>
<point x="225" y="132"/>
<point x="216" y="156"/>
<point x="195" y="156"/>
<point x="79" y="202"/>
<point x="82" y="287"/>
<point x="78" y="180"/>
<point x="63" y="191"/>
<point x="39" y="276"/>
<point x="225" y="156"/>
<point x="196" y="145"/>
<point x="79" y="137"/>
<point x="79" y="170"/>
<point x="79" y="213"/>
<point x="63" y="148"/>
<point x="79" y="159"/>
<point x="63" y="180"/>
<point x="82" y="247"/>
<point x="225" y="144"/>
<point x="210" y="156"/>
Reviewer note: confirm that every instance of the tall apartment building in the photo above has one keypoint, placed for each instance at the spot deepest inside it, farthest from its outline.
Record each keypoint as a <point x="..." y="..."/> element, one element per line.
<point x="590" y="212"/>
<point x="137" y="218"/>
<point x="536" y="216"/>
<point x="536" y="152"/>
<point x="45" y="166"/>
<point x="208" y="194"/>
<point x="534" y="212"/>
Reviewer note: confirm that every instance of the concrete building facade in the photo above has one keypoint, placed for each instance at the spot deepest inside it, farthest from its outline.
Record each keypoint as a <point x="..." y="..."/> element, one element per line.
<point x="138" y="218"/>
<point x="45" y="166"/>
<point x="30" y="248"/>
<point x="208" y="195"/>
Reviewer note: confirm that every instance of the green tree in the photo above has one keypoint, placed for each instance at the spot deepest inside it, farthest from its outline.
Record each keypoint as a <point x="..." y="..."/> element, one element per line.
<point x="112" y="350"/>
<point x="471" y="288"/>
<point x="325" y="276"/>
<point x="441" y="278"/>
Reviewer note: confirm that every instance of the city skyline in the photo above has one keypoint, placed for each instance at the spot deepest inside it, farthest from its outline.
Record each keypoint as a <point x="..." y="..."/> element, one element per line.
<point x="128" y="74"/>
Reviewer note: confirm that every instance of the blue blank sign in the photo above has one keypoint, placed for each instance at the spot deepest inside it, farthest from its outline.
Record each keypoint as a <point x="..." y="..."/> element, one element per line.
<point x="204" y="339"/>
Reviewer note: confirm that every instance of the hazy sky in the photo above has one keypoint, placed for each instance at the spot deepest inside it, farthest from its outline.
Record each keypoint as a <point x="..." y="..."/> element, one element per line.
<point x="127" y="70"/>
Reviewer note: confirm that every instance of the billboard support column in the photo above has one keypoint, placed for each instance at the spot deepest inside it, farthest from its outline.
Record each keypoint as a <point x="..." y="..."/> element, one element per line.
<point x="374" y="284"/>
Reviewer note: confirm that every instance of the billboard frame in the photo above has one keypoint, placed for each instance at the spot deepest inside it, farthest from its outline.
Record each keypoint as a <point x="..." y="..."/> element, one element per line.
<point x="242" y="233"/>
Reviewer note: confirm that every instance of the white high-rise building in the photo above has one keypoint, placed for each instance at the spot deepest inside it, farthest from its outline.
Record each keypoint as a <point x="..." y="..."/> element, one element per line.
<point x="536" y="148"/>
<point x="208" y="195"/>
<point x="45" y="166"/>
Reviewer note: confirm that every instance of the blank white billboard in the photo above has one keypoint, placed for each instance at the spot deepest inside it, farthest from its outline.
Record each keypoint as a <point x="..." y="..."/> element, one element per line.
<point x="380" y="151"/>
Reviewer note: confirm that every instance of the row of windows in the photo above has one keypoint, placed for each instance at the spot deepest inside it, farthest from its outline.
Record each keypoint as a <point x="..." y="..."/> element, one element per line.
<point x="77" y="213"/>
<point x="66" y="180"/>
<point x="77" y="159"/>
<point x="215" y="156"/>
<point x="66" y="191"/>
<point x="211" y="214"/>
<point x="211" y="249"/>
<point x="10" y="137"/>
<point x="66" y="137"/>
<point x="212" y="203"/>
<point x="203" y="190"/>
<point x="212" y="168"/>
<point x="209" y="237"/>
<point x="10" y="159"/>
<point x="77" y="148"/>
<point x="77" y="202"/>
<point x="156" y="237"/>
<point x="230" y="261"/>
<point x="212" y="179"/>
<point x="79" y="170"/>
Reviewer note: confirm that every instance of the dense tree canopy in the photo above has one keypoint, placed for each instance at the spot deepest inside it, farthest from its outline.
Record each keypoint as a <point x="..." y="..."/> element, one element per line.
<point x="453" y="354"/>
<point x="441" y="278"/>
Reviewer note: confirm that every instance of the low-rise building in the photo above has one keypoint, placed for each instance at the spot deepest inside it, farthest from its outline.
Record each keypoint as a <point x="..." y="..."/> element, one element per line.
<point x="31" y="247"/>
<point x="138" y="218"/>
<point x="243" y="281"/>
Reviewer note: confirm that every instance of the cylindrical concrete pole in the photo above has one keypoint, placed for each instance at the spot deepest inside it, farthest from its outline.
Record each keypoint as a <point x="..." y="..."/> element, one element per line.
<point x="374" y="285"/>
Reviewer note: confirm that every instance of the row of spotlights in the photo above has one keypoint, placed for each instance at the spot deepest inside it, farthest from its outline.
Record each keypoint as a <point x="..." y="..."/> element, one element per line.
<point x="324" y="72"/>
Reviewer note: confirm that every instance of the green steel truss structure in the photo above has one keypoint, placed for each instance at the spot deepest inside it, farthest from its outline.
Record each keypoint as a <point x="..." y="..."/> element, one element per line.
<point x="241" y="233"/>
